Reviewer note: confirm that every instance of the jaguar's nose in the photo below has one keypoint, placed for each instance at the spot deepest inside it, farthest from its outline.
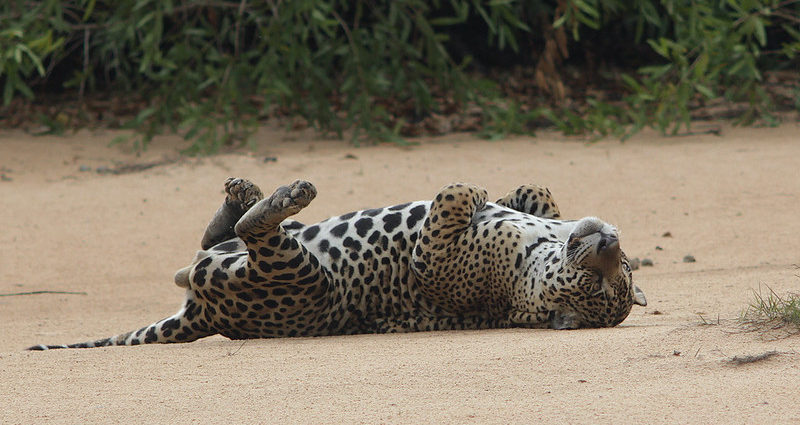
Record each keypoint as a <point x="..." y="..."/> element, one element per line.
<point x="607" y="241"/>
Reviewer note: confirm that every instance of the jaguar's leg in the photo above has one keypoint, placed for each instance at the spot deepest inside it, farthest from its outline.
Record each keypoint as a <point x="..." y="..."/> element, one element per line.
<point x="266" y="215"/>
<point x="538" y="201"/>
<point x="450" y="215"/>
<point x="444" y="256"/>
<point x="291" y="276"/>
<point x="531" y="199"/>
<point x="240" y="195"/>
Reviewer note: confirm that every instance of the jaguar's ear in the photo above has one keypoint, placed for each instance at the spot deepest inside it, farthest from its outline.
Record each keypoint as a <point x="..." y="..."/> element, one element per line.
<point x="638" y="296"/>
<point x="182" y="277"/>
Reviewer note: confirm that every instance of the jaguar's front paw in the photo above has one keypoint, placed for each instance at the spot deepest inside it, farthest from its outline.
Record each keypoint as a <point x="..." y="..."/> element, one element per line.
<point x="295" y="196"/>
<point x="267" y="214"/>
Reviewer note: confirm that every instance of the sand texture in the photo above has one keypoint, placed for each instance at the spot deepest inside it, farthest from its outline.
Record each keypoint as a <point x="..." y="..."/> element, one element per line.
<point x="79" y="216"/>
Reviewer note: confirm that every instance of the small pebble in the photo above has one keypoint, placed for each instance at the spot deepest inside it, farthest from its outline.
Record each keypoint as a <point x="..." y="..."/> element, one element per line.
<point x="666" y="235"/>
<point x="84" y="168"/>
<point x="646" y="262"/>
<point x="635" y="262"/>
<point x="658" y="248"/>
<point x="689" y="259"/>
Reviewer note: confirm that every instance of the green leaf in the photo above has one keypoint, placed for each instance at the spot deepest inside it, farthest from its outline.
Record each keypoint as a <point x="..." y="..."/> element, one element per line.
<point x="705" y="91"/>
<point x="33" y="58"/>
<point x="11" y="33"/>
<point x="631" y="82"/>
<point x="89" y="9"/>
<point x="761" y="33"/>
<point x="560" y="21"/>
<point x="446" y="21"/>
<point x="659" y="46"/>
<point x="8" y="88"/>
<point x="656" y="71"/>
<point x="587" y="8"/>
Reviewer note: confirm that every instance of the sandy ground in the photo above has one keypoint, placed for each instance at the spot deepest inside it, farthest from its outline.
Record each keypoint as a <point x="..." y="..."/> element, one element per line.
<point x="732" y="202"/>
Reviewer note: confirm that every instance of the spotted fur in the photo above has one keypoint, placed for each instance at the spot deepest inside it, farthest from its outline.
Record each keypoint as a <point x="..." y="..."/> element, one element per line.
<point x="456" y="262"/>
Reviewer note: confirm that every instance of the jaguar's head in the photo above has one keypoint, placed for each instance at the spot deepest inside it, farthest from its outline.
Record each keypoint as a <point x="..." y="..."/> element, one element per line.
<point x="599" y="289"/>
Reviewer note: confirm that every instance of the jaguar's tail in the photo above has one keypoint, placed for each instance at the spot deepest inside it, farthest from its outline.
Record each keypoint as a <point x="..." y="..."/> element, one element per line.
<point x="185" y="326"/>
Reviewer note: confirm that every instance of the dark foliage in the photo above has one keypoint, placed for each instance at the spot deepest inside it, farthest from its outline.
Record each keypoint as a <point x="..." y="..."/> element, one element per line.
<point x="384" y="70"/>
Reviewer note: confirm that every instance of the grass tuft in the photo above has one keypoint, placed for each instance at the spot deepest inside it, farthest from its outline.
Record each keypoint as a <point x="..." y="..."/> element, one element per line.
<point x="771" y="309"/>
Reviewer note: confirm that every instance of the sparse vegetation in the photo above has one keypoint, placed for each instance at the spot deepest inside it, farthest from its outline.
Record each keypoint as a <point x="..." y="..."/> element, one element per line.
<point x="773" y="310"/>
<point x="706" y="322"/>
<point x="386" y="70"/>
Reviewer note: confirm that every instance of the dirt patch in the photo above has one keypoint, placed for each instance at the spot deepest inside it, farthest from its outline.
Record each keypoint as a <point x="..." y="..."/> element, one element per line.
<point x="728" y="201"/>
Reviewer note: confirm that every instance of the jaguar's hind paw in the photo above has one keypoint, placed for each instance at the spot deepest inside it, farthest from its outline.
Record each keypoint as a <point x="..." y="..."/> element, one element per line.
<point x="242" y="193"/>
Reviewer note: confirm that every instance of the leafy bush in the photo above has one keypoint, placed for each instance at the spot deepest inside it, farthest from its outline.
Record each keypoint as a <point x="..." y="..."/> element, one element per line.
<point x="211" y="70"/>
<point x="715" y="49"/>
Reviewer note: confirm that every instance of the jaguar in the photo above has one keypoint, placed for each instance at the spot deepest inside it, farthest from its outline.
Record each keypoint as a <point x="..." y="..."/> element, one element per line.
<point x="454" y="262"/>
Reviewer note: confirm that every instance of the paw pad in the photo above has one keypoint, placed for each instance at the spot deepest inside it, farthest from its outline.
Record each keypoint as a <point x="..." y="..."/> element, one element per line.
<point x="298" y="194"/>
